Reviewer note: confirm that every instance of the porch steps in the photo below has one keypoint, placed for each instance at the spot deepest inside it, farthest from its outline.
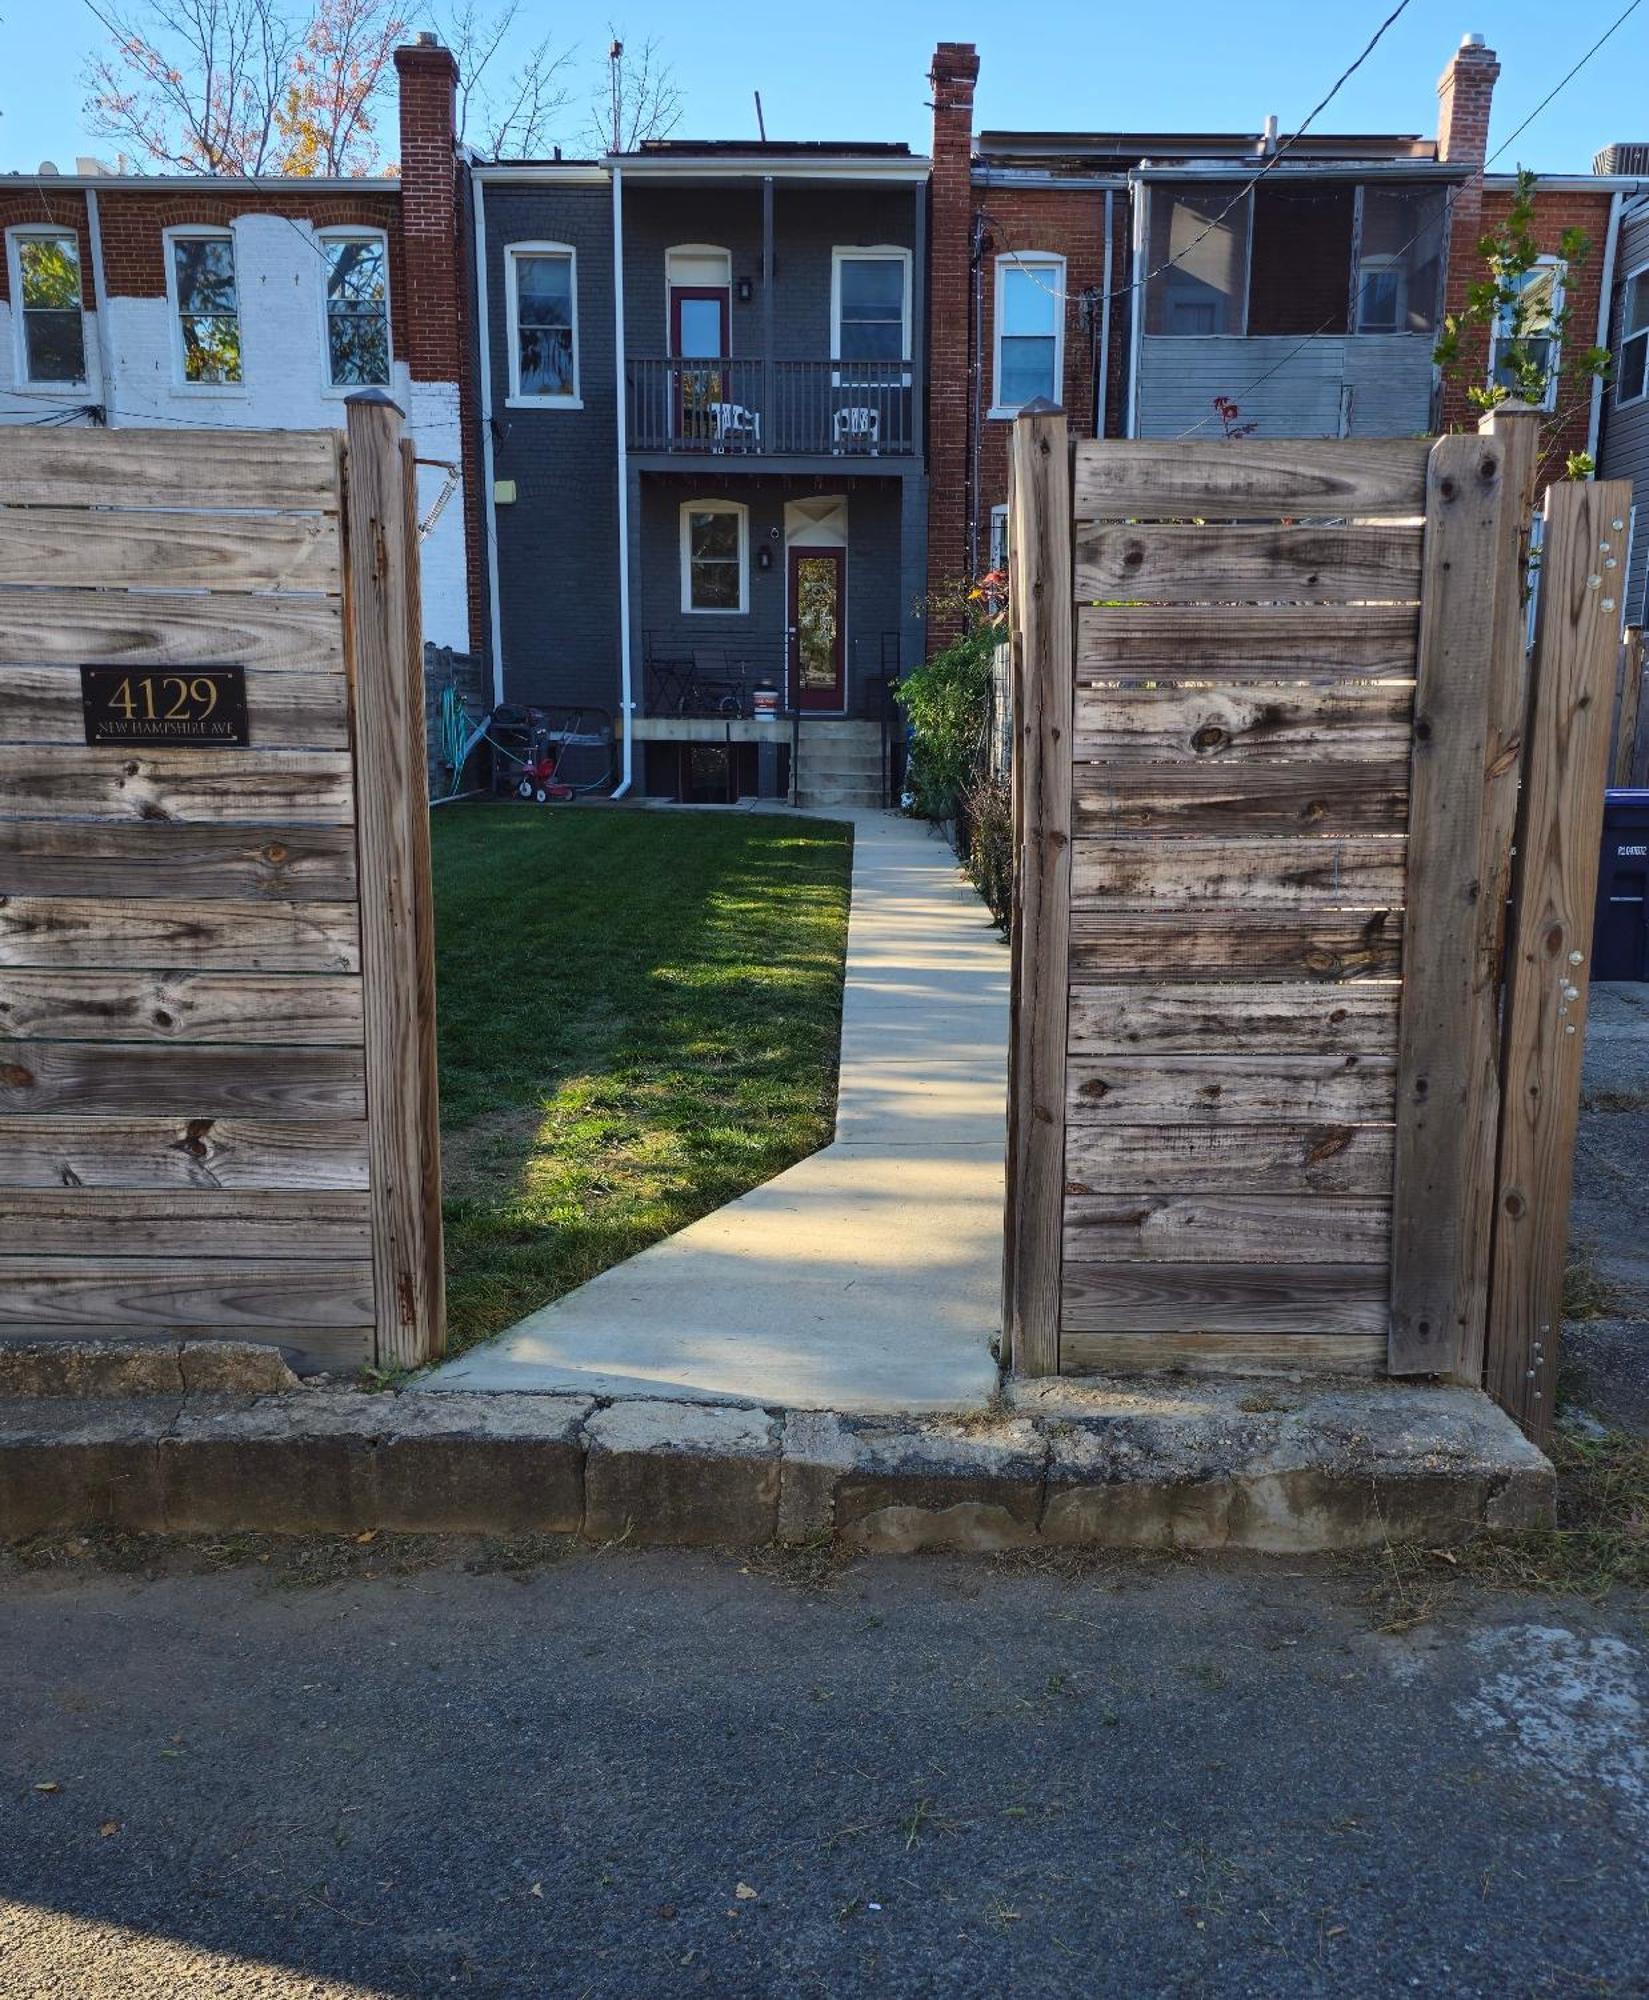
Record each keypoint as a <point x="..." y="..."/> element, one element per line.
<point x="839" y="763"/>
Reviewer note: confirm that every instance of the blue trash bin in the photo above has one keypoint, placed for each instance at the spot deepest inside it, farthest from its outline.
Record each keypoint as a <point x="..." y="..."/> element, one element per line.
<point x="1620" y="934"/>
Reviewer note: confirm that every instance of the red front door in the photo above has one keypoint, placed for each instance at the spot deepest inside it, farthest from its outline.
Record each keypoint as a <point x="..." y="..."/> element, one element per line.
<point x="699" y="333"/>
<point x="818" y="650"/>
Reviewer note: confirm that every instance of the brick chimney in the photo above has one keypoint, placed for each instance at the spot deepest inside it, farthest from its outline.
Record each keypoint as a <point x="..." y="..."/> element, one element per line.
<point x="1465" y="95"/>
<point x="1465" y="92"/>
<point x="428" y="76"/>
<point x="954" y="73"/>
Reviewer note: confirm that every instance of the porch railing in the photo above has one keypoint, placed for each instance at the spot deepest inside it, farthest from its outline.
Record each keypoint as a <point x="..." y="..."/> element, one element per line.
<point x="735" y="406"/>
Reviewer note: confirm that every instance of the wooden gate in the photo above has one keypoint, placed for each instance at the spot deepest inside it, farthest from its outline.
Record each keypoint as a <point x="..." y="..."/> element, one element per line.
<point x="217" y="1037"/>
<point x="1266" y="783"/>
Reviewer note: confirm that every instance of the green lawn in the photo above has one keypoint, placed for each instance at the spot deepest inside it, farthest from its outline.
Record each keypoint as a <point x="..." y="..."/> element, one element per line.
<point x="639" y="1019"/>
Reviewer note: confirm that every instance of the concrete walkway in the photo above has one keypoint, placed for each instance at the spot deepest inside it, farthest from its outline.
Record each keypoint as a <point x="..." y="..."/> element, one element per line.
<point x="868" y="1276"/>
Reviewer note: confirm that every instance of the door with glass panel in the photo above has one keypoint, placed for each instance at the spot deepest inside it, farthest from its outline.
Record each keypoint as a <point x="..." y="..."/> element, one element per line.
<point x="818" y="651"/>
<point x="699" y="335"/>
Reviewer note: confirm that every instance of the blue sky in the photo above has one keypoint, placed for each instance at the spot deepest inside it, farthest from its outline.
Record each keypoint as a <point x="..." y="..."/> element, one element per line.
<point x="857" y="69"/>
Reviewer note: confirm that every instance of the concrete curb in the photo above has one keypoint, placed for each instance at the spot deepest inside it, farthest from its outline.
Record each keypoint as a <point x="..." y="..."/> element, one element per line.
<point x="1162" y="1463"/>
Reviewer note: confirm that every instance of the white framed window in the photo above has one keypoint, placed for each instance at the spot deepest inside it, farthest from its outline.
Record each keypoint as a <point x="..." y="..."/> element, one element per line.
<point x="541" y="282"/>
<point x="715" y="557"/>
<point x="1540" y="309"/>
<point x="357" y="308"/>
<point x="205" y="299"/>
<point x="1632" y="356"/>
<point x="999" y="539"/>
<point x="869" y="306"/>
<point x="44" y="270"/>
<point x="1030" y="330"/>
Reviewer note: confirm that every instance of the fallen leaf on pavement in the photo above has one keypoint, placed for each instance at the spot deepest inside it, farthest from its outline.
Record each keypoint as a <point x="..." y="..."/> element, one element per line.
<point x="51" y="1785"/>
<point x="744" y="1892"/>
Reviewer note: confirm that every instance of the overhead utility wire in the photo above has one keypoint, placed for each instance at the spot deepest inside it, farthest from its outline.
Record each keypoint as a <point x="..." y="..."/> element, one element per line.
<point x="1476" y="175"/>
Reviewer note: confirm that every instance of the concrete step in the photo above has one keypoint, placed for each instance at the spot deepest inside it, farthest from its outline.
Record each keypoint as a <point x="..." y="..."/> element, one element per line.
<point x="829" y="758"/>
<point x="838" y="795"/>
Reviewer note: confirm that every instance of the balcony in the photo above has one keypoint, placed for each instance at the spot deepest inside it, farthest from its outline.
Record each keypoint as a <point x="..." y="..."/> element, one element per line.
<point x="752" y="408"/>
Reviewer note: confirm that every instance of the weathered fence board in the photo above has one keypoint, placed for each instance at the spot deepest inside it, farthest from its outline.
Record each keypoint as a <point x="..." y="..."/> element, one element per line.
<point x="178" y="858"/>
<point x="1227" y="1089"/>
<point x="1322" y="873"/>
<point x="1191" y="565"/>
<point x="1039" y="544"/>
<point x="144" y="1079"/>
<point x="220" y="936"/>
<point x="1264" y="478"/>
<point x="304" y="787"/>
<point x="1246" y="642"/>
<point x="1113" y="946"/>
<point x="1242" y="725"/>
<point x="167" y="550"/>
<point x="1316" y="1297"/>
<point x="1225" y="1228"/>
<point x="1224" y="1353"/>
<point x="141" y="1005"/>
<point x="261" y="471"/>
<point x="130" y="1222"/>
<point x="1253" y="1159"/>
<point x="1470" y="673"/>
<point x="1559" y="827"/>
<point x="1254" y="798"/>
<point x="216" y="1074"/>
<point x="1181" y="1020"/>
<point x="151" y="629"/>
<point x="237" y="1154"/>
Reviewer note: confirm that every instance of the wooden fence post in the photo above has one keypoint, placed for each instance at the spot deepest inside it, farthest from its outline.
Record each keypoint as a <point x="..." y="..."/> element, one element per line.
<point x="1560" y="826"/>
<point x="1629" y="710"/>
<point x="1043" y="612"/>
<point x="385" y="651"/>
<point x="1468" y="731"/>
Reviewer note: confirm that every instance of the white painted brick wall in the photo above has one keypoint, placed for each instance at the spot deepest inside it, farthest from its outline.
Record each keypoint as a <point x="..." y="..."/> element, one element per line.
<point x="281" y="278"/>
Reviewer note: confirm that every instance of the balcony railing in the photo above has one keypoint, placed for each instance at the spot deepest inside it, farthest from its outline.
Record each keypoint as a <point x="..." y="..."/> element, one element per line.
<point x="744" y="407"/>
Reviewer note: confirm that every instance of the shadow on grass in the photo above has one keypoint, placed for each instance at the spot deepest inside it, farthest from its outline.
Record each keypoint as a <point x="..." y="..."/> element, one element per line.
<point x="640" y="1019"/>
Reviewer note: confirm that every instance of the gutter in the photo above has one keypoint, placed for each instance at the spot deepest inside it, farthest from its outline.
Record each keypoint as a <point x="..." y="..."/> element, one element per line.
<point x="621" y="414"/>
<point x="105" y="346"/>
<point x="1102" y="374"/>
<point x="1605" y="319"/>
<point x="483" y="341"/>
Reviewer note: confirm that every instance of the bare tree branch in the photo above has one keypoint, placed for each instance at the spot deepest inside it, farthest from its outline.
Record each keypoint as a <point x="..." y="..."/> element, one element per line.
<point x="512" y="114"/>
<point x="639" y="102"/>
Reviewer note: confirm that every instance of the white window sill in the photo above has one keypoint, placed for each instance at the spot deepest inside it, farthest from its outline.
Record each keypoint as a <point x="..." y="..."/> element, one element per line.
<point x="1003" y="412"/>
<point x="67" y="391"/>
<point x="544" y="403"/>
<point x="231" y="390"/>
<point x="342" y="391"/>
<point x="689" y="611"/>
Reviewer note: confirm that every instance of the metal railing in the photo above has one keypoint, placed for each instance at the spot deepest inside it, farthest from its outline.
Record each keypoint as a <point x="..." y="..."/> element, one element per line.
<point x="835" y="409"/>
<point x="681" y="677"/>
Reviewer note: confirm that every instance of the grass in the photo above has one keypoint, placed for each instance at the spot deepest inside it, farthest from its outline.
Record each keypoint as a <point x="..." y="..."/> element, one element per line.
<point x="639" y="1020"/>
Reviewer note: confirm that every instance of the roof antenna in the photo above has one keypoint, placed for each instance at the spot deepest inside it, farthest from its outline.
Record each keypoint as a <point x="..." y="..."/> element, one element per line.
<point x="761" y="122"/>
<point x="1268" y="140"/>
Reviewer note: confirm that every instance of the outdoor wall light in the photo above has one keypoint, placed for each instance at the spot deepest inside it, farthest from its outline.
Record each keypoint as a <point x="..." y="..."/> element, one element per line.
<point x="744" y="291"/>
<point x="764" y="558"/>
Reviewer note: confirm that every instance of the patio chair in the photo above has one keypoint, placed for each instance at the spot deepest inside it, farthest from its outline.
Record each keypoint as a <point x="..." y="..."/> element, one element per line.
<point x="736" y="428"/>
<point x="856" y="428"/>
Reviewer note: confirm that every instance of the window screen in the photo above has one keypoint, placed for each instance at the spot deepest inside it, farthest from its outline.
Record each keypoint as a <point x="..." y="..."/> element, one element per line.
<point x="1400" y="260"/>
<point x="1300" y="271"/>
<point x="208" y="308"/>
<point x="1202" y="255"/>
<point x="544" y="324"/>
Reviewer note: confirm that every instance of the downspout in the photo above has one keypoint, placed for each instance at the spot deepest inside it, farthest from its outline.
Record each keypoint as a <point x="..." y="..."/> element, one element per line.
<point x="489" y="501"/>
<point x="1136" y="304"/>
<point x="1102" y="374"/>
<point x="105" y="340"/>
<point x="1605" y="320"/>
<point x="976" y="336"/>
<point x="622" y="415"/>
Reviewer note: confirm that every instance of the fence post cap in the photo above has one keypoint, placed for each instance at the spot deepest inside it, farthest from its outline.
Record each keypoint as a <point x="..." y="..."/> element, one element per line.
<point x="1041" y="406"/>
<point x="373" y="399"/>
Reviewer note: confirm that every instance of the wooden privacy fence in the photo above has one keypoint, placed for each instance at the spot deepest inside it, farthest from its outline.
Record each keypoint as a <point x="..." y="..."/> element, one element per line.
<point x="1270" y="710"/>
<point x="217" y="1036"/>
